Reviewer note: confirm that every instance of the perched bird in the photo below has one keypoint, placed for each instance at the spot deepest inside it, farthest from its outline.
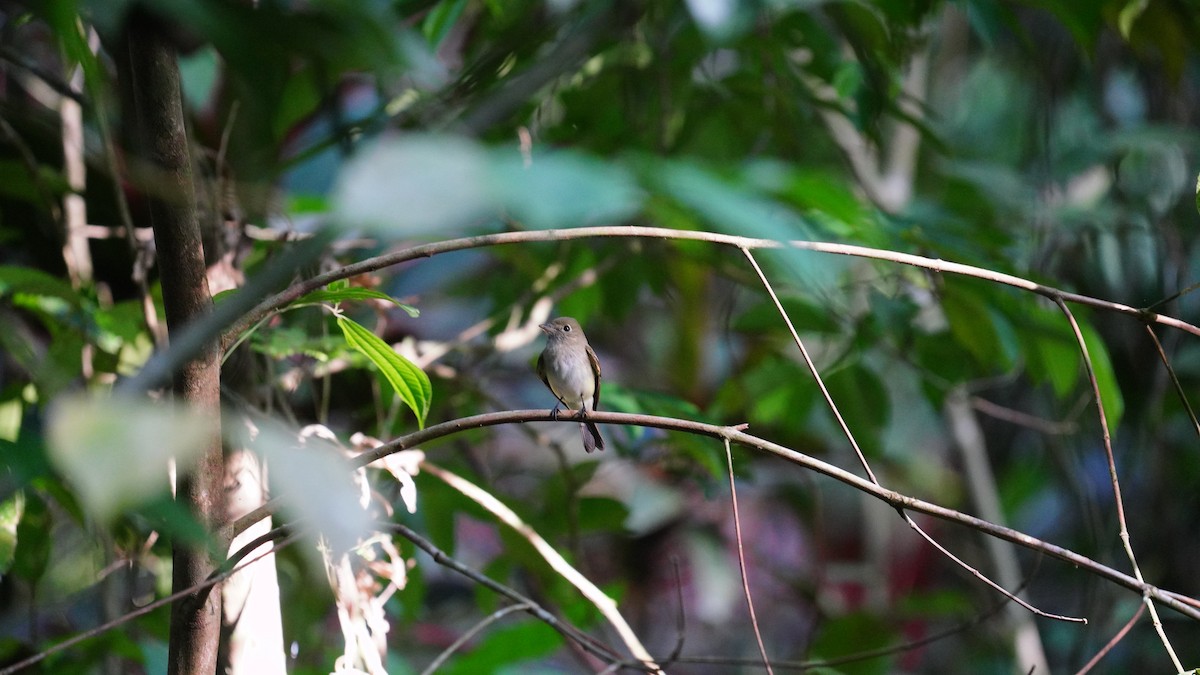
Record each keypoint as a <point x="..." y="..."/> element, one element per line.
<point x="570" y="368"/>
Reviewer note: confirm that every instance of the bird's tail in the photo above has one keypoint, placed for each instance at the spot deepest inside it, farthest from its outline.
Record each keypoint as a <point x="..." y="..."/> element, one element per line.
<point x="591" y="437"/>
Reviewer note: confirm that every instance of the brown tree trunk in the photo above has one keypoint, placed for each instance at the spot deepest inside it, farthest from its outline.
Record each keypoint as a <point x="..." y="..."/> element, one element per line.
<point x="161" y="134"/>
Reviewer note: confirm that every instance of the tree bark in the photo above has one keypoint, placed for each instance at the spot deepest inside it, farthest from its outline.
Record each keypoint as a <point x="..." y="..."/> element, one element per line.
<point x="162" y="136"/>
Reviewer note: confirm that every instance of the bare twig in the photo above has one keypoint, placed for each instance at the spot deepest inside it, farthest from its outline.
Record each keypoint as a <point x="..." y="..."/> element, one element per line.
<point x="982" y="577"/>
<point x="228" y="569"/>
<point x="1020" y="418"/>
<point x="472" y="632"/>
<point x="298" y="289"/>
<point x="597" y="597"/>
<point x="972" y="444"/>
<point x="1162" y="354"/>
<point x="439" y="556"/>
<point x="1087" y="667"/>
<point x="812" y="368"/>
<point x="857" y="656"/>
<point x="741" y="555"/>
<point x="863" y="459"/>
<point x="1116" y="483"/>
<point x="1182" y="604"/>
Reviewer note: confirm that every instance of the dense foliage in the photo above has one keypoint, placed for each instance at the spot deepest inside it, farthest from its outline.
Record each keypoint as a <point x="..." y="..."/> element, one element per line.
<point x="1052" y="141"/>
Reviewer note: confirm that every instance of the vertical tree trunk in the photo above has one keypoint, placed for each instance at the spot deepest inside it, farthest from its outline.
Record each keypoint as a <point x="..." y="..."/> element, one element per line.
<point x="154" y="72"/>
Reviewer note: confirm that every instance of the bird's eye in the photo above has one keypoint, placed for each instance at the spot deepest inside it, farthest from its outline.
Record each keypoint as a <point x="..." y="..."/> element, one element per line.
<point x="567" y="328"/>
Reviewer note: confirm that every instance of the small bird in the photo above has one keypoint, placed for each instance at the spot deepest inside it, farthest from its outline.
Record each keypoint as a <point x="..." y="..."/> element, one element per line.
<point x="571" y="370"/>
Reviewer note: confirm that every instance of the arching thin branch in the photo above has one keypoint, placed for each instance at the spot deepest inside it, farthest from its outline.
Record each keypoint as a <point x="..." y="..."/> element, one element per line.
<point x="1116" y="483"/>
<point x="741" y="555"/>
<point x="606" y="605"/>
<point x="1179" y="603"/>
<point x="298" y="289"/>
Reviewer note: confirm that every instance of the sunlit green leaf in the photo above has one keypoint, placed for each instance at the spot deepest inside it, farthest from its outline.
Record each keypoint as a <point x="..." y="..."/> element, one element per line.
<point x="410" y="382"/>
<point x="353" y="293"/>
<point x="11" y="512"/>
<point x="1129" y="13"/>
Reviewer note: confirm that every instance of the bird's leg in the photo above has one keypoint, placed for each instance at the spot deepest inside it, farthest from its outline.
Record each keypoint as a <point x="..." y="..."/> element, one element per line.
<point x="554" y="413"/>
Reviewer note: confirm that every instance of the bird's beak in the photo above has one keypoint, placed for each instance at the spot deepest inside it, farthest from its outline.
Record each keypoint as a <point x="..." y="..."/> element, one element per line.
<point x="547" y="328"/>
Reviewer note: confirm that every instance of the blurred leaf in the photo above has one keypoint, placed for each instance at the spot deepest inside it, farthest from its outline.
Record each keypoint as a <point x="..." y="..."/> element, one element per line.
<point x="863" y="401"/>
<point x="410" y="382"/>
<point x="414" y="186"/>
<point x="1051" y="351"/>
<point x="1129" y="13"/>
<point x="807" y="316"/>
<point x="26" y="280"/>
<point x="11" y="410"/>
<point x="314" y="480"/>
<point x="116" y="451"/>
<point x="286" y="341"/>
<point x="16" y="182"/>
<point x="1106" y="379"/>
<point x="940" y="604"/>
<point x="730" y="209"/>
<point x="33" y="539"/>
<point x="441" y="19"/>
<point x="985" y="333"/>
<point x="853" y="634"/>
<point x="562" y="189"/>
<point x="11" y="512"/>
<point x="1198" y="193"/>
<point x="505" y="648"/>
<point x="1154" y="173"/>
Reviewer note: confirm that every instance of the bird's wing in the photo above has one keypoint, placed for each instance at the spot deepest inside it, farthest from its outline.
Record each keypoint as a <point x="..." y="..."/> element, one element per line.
<point x="595" y="369"/>
<point x="541" y="370"/>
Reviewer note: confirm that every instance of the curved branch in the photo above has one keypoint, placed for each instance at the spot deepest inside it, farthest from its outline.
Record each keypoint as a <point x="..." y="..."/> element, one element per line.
<point x="429" y="250"/>
<point x="593" y="646"/>
<point x="895" y="499"/>
<point x="606" y="605"/>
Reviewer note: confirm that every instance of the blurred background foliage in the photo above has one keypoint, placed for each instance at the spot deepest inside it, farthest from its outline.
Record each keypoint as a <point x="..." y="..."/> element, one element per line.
<point x="1047" y="139"/>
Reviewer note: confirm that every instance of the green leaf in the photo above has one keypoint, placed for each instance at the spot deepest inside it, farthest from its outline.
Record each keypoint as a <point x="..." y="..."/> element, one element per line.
<point x="32" y="553"/>
<point x="410" y="382"/>
<point x="983" y="332"/>
<point x="441" y="19"/>
<point x="1129" y="13"/>
<point x="504" y="647"/>
<point x="863" y="400"/>
<point x="11" y="511"/>
<point x="1198" y="193"/>
<point x="344" y="293"/>
<point x="25" y="280"/>
<point x="1106" y="379"/>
